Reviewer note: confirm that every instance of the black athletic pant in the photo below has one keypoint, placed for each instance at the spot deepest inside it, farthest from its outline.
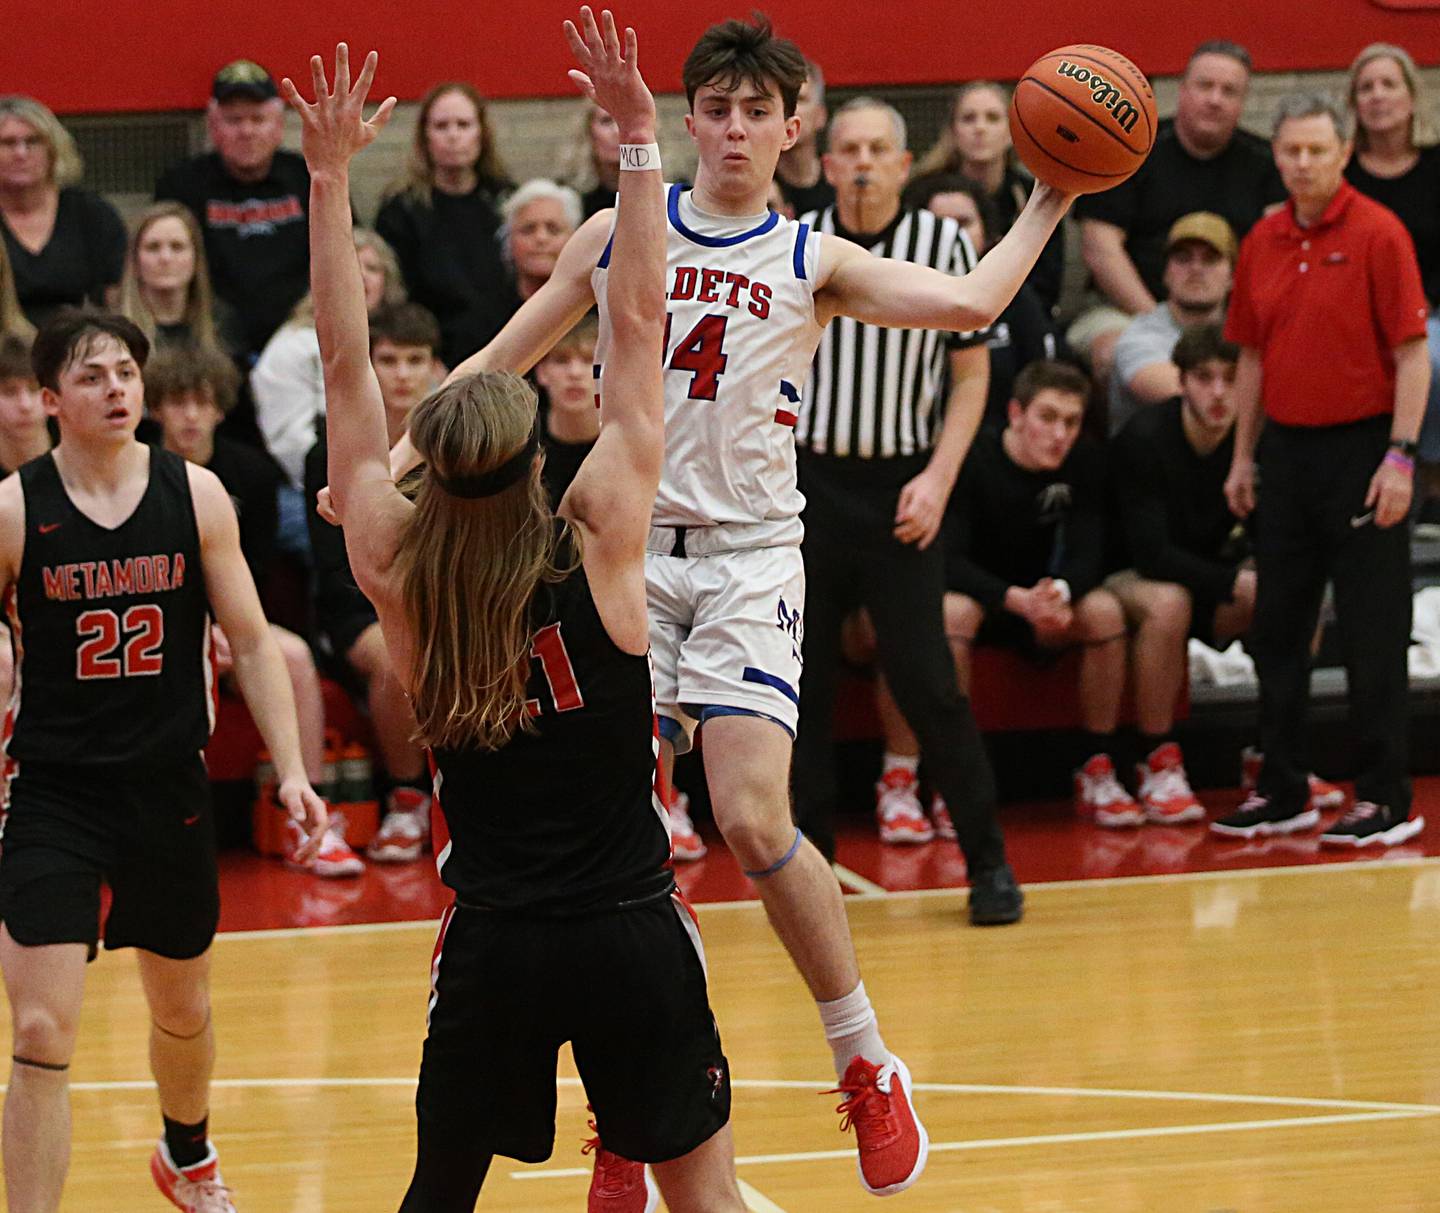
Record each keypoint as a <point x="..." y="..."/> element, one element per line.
<point x="1314" y="526"/>
<point x="852" y="559"/>
<point x="449" y="1172"/>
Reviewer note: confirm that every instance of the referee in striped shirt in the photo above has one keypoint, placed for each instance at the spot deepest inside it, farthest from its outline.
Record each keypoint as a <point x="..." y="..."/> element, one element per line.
<point x="876" y="468"/>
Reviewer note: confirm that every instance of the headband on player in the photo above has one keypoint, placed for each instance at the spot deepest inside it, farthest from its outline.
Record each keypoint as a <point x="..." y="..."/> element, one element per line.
<point x="498" y="479"/>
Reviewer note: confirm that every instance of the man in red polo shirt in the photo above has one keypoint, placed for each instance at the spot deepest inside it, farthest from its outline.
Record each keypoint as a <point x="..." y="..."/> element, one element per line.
<point x="1329" y="312"/>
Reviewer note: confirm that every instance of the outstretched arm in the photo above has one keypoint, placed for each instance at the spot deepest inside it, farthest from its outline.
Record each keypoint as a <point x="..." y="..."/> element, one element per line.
<point x="333" y="131"/>
<point x="612" y="494"/>
<point x="900" y="294"/>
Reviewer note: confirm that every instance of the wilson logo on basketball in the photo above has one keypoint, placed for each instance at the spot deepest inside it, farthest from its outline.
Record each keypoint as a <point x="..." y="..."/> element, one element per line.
<point x="1103" y="93"/>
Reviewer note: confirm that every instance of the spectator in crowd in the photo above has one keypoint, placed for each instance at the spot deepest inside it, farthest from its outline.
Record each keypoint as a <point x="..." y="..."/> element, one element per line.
<point x="1201" y="161"/>
<point x="443" y="219"/>
<point x="12" y="319"/>
<point x="1199" y="265"/>
<point x="1025" y="548"/>
<point x="289" y="387"/>
<point x="25" y="434"/>
<point x="249" y="197"/>
<point x="24" y="427"/>
<point x="539" y="217"/>
<point x="799" y="172"/>
<point x="1024" y="332"/>
<point x="1396" y="162"/>
<point x="876" y="480"/>
<point x="166" y="288"/>
<point x="566" y="376"/>
<point x="188" y="390"/>
<point x="1182" y="556"/>
<point x="975" y="143"/>
<point x="1330" y="315"/>
<point x="591" y="163"/>
<point x="405" y="341"/>
<point x="66" y="245"/>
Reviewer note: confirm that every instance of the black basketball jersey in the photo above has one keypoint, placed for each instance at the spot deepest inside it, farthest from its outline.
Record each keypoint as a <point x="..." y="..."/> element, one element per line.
<point x="564" y="819"/>
<point x="113" y="658"/>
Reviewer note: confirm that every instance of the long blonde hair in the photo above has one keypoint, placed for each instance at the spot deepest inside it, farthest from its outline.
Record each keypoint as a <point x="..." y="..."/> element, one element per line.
<point x="66" y="166"/>
<point x="1422" y="124"/>
<point x="199" y="301"/>
<point x="944" y="155"/>
<point x="469" y="568"/>
<point x="12" y="319"/>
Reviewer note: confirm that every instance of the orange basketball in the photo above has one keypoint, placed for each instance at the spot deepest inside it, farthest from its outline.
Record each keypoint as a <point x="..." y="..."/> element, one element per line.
<point x="1083" y="118"/>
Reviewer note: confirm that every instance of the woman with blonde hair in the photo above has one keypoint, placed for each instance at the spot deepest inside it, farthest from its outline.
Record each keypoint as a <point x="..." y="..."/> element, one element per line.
<point x="66" y="244"/>
<point x="975" y="142"/>
<point x="590" y="163"/>
<point x="443" y="219"/>
<point x="166" y="287"/>
<point x="522" y="638"/>
<point x="1397" y="162"/>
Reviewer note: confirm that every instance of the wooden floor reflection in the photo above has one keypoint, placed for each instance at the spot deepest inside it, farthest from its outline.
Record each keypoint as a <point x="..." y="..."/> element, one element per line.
<point x="1240" y="1041"/>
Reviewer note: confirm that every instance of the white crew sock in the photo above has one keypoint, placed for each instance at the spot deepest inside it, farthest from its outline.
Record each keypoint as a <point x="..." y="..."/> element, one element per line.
<point x="852" y="1030"/>
<point x="910" y="763"/>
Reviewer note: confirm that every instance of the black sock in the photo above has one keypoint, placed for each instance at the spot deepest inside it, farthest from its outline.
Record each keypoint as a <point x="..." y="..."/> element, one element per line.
<point x="188" y="1144"/>
<point x="1150" y="742"/>
<point x="1095" y="743"/>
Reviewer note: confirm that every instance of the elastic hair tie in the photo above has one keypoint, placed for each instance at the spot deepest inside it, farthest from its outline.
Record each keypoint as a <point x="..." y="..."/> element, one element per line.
<point x="498" y="479"/>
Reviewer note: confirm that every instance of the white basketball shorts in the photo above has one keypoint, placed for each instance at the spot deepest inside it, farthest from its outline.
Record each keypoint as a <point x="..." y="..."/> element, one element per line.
<point x="726" y="632"/>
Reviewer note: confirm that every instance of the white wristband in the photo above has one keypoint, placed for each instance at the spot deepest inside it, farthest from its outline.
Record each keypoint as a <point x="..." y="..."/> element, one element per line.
<point x="640" y="157"/>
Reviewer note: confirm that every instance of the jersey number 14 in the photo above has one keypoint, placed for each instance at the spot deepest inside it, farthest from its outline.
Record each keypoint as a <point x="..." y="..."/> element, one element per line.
<point x="702" y="353"/>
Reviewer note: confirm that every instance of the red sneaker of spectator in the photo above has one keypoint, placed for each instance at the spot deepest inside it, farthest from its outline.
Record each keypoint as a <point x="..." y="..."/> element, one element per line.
<point x="892" y="1142"/>
<point x="1323" y="794"/>
<point x="1165" y="793"/>
<point x="334" y="858"/>
<point x="897" y="808"/>
<point x="940" y="818"/>
<point x="1099" y="795"/>
<point x="685" y="840"/>
<point x="617" y="1184"/>
<point x="197" y="1188"/>
<point x="405" y="829"/>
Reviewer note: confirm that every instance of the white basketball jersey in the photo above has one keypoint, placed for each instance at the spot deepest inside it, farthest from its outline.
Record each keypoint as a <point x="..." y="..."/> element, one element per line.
<point x="740" y="337"/>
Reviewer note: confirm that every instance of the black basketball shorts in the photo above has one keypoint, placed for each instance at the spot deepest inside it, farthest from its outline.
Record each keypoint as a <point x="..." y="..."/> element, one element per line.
<point x="146" y="831"/>
<point x="625" y="987"/>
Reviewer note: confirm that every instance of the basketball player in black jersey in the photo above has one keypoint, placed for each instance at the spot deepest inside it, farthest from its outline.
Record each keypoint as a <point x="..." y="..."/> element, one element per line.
<point x="113" y="557"/>
<point x="522" y="639"/>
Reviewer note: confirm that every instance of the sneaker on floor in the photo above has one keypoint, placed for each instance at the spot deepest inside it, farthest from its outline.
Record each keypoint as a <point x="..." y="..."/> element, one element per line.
<point x="1371" y="825"/>
<point x="940" y="818"/>
<point x="685" y="840"/>
<point x="897" y="808"/>
<point x="405" y="829"/>
<point x="1257" y="817"/>
<point x="1323" y="794"/>
<point x="892" y="1142"/>
<point x="617" y="1184"/>
<point x="197" y="1188"/>
<point x="1165" y="793"/>
<point x="1099" y="795"/>
<point x="995" y="898"/>
<point x="334" y="859"/>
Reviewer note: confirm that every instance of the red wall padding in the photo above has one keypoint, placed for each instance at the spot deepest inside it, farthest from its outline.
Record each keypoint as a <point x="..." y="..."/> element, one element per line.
<point x="120" y="55"/>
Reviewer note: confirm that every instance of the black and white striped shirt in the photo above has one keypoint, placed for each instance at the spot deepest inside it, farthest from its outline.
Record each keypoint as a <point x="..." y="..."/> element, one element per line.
<point x="873" y="392"/>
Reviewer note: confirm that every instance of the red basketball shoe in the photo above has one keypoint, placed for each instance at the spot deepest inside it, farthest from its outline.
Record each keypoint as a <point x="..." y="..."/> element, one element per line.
<point x="197" y="1188"/>
<point x="892" y="1142"/>
<point x="618" y="1185"/>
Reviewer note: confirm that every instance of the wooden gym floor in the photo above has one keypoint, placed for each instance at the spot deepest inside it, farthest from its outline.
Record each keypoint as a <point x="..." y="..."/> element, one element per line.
<point x="1214" y="1042"/>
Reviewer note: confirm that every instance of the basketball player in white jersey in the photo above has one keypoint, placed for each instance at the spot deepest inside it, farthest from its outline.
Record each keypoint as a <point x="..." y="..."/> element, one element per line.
<point x="749" y="293"/>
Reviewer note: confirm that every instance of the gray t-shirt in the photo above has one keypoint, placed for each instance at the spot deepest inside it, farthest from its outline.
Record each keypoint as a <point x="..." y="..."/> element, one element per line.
<point x="1148" y="338"/>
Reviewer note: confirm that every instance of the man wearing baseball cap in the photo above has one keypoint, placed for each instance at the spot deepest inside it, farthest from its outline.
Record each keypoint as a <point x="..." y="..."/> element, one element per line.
<point x="1199" y="266"/>
<point x="251" y="201"/>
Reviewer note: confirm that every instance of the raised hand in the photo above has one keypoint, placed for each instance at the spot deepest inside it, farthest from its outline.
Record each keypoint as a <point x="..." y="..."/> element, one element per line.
<point x="610" y="76"/>
<point x="334" y="128"/>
